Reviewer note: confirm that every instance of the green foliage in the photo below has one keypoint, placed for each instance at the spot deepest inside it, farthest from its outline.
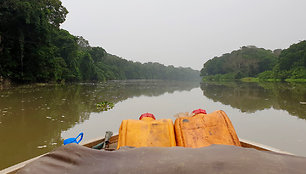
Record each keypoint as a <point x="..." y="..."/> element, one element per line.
<point x="221" y="77"/>
<point x="105" y="106"/>
<point x="111" y="67"/>
<point x="252" y="62"/>
<point x="265" y="75"/>
<point x="292" y="57"/>
<point x="298" y="73"/>
<point x="87" y="68"/>
<point x="26" y="28"/>
<point x="296" y="80"/>
<point x="249" y="79"/>
<point x="292" y="63"/>
<point x="34" y="49"/>
<point x="246" y="62"/>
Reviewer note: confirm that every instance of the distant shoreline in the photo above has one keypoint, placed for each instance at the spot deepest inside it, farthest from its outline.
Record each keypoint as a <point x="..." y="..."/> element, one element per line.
<point x="251" y="79"/>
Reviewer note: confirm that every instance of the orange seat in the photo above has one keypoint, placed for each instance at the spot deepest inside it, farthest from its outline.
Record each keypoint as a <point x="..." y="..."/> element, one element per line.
<point x="146" y="132"/>
<point x="205" y="129"/>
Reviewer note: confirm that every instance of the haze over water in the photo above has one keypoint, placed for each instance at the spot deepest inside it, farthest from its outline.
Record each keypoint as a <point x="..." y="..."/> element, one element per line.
<point x="36" y="119"/>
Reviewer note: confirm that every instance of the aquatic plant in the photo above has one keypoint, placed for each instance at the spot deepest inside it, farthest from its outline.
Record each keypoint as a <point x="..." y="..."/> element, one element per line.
<point x="105" y="106"/>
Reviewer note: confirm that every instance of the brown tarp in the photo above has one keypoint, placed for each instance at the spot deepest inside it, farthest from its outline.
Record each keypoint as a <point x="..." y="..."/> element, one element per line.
<point x="212" y="159"/>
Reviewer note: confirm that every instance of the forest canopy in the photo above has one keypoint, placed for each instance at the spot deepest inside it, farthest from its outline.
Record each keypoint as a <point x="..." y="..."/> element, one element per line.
<point x="33" y="48"/>
<point x="291" y="63"/>
<point x="245" y="62"/>
<point x="256" y="62"/>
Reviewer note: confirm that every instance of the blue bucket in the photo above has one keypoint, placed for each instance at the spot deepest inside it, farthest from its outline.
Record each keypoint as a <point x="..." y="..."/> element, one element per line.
<point x="74" y="140"/>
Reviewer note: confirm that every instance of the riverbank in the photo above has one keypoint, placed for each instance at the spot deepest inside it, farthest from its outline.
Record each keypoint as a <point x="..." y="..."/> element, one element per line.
<point x="254" y="79"/>
<point x="4" y="83"/>
<point x="222" y="78"/>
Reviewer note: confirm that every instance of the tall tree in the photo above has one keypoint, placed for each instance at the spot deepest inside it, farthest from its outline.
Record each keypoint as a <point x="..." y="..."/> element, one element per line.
<point x="26" y="27"/>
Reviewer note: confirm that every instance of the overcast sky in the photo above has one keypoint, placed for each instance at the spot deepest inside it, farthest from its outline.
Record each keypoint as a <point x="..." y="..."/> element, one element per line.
<point x="185" y="32"/>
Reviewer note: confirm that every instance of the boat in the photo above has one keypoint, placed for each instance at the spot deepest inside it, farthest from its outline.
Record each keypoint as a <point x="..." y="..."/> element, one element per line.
<point x="113" y="144"/>
<point x="75" y="154"/>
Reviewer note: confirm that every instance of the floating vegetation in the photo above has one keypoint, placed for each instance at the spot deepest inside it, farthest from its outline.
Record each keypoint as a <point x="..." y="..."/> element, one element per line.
<point x="105" y="106"/>
<point x="43" y="146"/>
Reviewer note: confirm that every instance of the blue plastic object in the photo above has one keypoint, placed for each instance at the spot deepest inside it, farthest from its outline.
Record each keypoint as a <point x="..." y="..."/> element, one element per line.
<point x="74" y="140"/>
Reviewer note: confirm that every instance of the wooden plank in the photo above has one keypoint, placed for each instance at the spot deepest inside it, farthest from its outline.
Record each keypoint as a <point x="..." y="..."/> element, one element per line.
<point x="13" y="169"/>
<point x="91" y="143"/>
<point x="261" y="147"/>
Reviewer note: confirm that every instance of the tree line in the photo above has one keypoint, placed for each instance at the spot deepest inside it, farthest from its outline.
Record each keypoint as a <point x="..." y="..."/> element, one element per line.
<point x="250" y="61"/>
<point x="33" y="48"/>
<point x="291" y="64"/>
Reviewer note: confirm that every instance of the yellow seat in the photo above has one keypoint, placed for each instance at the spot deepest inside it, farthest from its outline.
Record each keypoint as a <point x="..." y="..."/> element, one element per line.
<point x="146" y="132"/>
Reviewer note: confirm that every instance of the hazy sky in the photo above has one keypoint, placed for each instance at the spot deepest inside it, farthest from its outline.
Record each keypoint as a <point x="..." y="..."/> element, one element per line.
<point x="185" y="32"/>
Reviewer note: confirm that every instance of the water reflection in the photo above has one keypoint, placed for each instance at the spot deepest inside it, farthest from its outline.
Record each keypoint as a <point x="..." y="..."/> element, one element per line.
<point x="251" y="97"/>
<point x="33" y="117"/>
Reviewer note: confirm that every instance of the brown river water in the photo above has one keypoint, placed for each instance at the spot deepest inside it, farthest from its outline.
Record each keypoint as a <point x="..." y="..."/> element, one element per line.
<point x="34" y="119"/>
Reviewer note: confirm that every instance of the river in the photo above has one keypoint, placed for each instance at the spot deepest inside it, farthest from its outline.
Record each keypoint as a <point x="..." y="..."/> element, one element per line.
<point x="35" y="119"/>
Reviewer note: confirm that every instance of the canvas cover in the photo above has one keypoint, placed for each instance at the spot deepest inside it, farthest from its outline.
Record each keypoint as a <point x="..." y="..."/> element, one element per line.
<point x="223" y="159"/>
